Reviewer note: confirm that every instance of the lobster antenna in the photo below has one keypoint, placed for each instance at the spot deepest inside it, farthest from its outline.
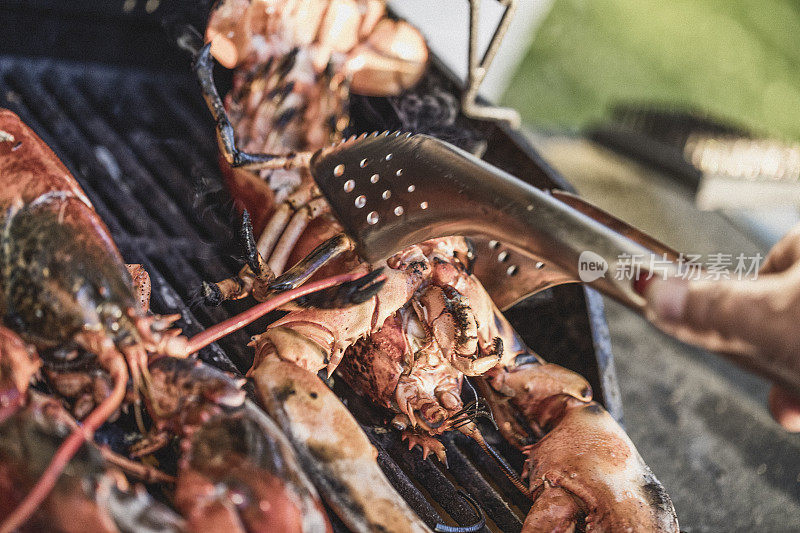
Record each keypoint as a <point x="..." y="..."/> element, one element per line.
<point x="146" y="473"/>
<point x="471" y="412"/>
<point x="477" y="526"/>
<point x="509" y="472"/>
<point x="237" y="322"/>
<point x="471" y="388"/>
<point x="479" y="409"/>
<point x="204" y="69"/>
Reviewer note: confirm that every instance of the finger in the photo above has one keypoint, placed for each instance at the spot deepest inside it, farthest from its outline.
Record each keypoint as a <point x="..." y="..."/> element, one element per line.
<point x="785" y="409"/>
<point x="743" y="309"/>
<point x="784" y="254"/>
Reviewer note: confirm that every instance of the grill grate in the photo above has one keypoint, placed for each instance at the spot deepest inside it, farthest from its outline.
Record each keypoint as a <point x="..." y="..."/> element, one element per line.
<point x="138" y="140"/>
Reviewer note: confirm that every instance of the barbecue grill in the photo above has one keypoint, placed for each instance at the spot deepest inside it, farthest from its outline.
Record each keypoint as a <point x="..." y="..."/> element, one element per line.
<point x="106" y="86"/>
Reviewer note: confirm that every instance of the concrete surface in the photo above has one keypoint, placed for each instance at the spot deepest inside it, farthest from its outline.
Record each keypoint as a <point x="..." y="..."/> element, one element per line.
<point x="699" y="422"/>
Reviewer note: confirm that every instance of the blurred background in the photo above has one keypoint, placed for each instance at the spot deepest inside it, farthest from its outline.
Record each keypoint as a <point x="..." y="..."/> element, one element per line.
<point x="732" y="58"/>
<point x="681" y="118"/>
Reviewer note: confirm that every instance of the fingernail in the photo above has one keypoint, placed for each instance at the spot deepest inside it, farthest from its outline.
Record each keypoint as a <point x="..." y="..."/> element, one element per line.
<point x="641" y="282"/>
<point x="785" y="409"/>
<point x="666" y="298"/>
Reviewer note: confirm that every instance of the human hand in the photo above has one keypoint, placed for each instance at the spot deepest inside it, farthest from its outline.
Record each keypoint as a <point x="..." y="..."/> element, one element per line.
<point x="756" y="321"/>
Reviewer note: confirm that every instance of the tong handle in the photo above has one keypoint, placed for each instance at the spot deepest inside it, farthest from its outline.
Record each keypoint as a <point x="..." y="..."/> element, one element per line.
<point x="585" y="244"/>
<point x="785" y="373"/>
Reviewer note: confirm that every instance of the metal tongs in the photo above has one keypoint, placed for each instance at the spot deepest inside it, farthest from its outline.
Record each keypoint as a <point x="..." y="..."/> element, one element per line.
<point x="393" y="190"/>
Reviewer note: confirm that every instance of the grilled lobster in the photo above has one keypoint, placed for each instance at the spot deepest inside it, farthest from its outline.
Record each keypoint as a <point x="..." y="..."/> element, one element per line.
<point x="91" y="495"/>
<point x="432" y="323"/>
<point x="70" y="305"/>
<point x="65" y="293"/>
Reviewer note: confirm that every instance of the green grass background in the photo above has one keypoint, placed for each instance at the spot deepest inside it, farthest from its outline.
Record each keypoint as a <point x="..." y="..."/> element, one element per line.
<point x="736" y="59"/>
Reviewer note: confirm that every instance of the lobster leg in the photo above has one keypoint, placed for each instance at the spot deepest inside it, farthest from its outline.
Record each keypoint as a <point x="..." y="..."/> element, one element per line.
<point x="479" y="365"/>
<point x="264" y="287"/>
<point x="454" y="326"/>
<point x="283" y="216"/>
<point x="256" y="271"/>
<point x="233" y="288"/>
<point x="308" y="266"/>
<point x="146" y="473"/>
<point x="258" y="266"/>
<point x="204" y="68"/>
<point x="297" y="225"/>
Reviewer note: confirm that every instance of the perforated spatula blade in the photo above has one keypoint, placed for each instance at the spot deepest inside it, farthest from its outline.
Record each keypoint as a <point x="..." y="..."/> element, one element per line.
<point x="392" y="190"/>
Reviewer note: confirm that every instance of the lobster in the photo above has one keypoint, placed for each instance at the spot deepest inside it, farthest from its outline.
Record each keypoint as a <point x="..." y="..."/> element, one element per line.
<point x="431" y="324"/>
<point x="296" y="64"/>
<point x="65" y="293"/>
<point x="92" y="494"/>
<point x="70" y="305"/>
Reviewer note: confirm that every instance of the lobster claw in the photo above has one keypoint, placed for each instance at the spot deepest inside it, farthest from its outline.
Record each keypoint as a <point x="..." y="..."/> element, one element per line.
<point x="583" y="469"/>
<point x="572" y="461"/>
<point x="239" y="473"/>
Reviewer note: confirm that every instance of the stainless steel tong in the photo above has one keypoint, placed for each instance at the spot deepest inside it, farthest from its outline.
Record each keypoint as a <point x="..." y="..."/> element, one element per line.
<point x="392" y="190"/>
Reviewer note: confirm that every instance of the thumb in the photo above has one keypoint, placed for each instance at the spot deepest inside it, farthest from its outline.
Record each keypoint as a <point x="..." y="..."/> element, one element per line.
<point x="734" y="309"/>
<point x="785" y="408"/>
